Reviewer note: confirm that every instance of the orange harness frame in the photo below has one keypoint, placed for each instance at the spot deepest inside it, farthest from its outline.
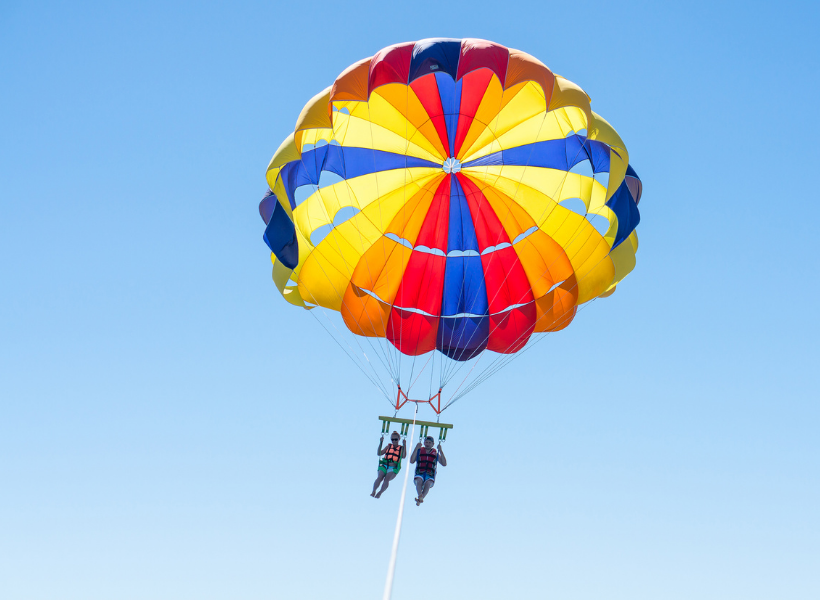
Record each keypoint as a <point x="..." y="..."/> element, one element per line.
<point x="436" y="407"/>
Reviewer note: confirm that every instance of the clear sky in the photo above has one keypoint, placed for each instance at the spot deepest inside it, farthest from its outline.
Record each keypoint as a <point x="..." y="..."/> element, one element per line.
<point x="170" y="428"/>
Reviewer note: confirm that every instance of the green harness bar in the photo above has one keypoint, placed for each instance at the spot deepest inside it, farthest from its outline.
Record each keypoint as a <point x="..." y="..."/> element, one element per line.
<point x="423" y="426"/>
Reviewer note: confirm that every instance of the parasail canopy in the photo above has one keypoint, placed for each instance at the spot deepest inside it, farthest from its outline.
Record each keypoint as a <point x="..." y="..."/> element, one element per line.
<point x="450" y="196"/>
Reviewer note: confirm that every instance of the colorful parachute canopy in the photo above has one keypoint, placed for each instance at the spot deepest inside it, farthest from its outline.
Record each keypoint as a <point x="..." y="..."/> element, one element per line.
<point x="432" y="196"/>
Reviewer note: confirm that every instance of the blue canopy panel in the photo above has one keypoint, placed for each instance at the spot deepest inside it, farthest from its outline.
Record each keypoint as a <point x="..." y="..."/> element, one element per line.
<point x="290" y="174"/>
<point x="449" y="92"/>
<point x="435" y="55"/>
<point x="266" y="205"/>
<point x="464" y="326"/>
<point x="346" y="162"/>
<point x="461" y="235"/>
<point x="462" y="338"/>
<point x="634" y="184"/>
<point x="623" y="205"/>
<point x="465" y="291"/>
<point x="280" y="236"/>
<point x="551" y="154"/>
<point x="598" y="153"/>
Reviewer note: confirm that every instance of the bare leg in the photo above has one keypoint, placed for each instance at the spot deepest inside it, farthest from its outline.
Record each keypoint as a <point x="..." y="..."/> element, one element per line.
<point x="390" y="477"/>
<point x="376" y="483"/>
<point x="427" y="485"/>
<point x="418" y="483"/>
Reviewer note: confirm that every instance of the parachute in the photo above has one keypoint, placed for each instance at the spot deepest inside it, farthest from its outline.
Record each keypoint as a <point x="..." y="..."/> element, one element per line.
<point x="448" y="200"/>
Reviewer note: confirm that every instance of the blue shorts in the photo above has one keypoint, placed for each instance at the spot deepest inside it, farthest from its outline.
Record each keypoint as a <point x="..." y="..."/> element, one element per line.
<point x="385" y="467"/>
<point x="425" y="477"/>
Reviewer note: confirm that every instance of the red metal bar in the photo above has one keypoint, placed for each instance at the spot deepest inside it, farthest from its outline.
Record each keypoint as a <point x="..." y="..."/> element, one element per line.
<point x="436" y="407"/>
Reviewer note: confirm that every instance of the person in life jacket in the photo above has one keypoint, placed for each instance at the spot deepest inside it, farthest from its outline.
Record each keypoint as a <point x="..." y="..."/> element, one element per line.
<point x="389" y="464"/>
<point x="426" y="459"/>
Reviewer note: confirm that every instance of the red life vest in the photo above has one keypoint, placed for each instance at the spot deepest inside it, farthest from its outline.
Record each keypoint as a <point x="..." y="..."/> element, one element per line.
<point x="427" y="461"/>
<point x="393" y="453"/>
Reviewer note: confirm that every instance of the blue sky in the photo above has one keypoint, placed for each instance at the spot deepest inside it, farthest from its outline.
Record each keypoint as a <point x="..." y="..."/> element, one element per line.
<point x="171" y="428"/>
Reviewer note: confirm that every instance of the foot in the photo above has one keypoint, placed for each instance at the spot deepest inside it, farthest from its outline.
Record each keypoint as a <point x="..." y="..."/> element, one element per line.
<point x="378" y="495"/>
<point x="417" y="501"/>
<point x="373" y="494"/>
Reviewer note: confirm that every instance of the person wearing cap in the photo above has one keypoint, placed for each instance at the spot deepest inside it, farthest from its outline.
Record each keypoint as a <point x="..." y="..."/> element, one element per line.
<point x="389" y="464"/>
<point x="426" y="459"/>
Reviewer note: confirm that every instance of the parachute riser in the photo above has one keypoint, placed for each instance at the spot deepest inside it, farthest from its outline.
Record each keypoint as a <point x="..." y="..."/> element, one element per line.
<point x="402" y="399"/>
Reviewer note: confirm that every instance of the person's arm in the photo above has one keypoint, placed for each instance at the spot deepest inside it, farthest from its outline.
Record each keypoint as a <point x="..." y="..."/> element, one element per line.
<point x="379" y="452"/>
<point x="404" y="448"/>
<point x="441" y="458"/>
<point x="415" y="453"/>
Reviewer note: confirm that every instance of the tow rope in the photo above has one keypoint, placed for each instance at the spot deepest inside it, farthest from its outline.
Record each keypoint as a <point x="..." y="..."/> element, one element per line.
<point x="391" y="568"/>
